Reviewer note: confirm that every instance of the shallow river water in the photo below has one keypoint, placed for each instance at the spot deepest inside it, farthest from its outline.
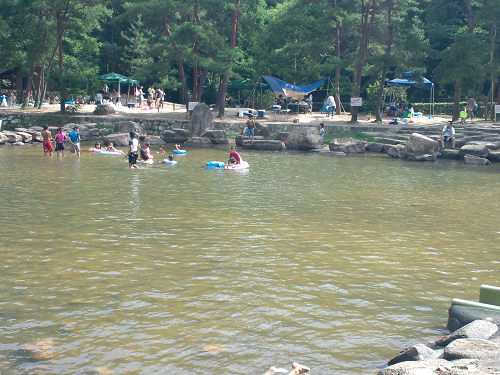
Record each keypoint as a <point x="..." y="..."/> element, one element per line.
<point x="335" y="263"/>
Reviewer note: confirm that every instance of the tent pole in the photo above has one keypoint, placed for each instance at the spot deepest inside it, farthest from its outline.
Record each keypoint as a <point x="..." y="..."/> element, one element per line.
<point x="260" y="91"/>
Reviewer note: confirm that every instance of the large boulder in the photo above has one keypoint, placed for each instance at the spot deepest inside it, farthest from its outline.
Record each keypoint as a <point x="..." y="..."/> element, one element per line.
<point x="348" y="145"/>
<point x="490" y="145"/>
<point x="459" y="316"/>
<point x="129" y="126"/>
<point x="397" y="151"/>
<point x="476" y="160"/>
<point x="120" y="139"/>
<point x="175" y="135"/>
<point x="479" y="149"/>
<point x="199" y="142"/>
<point x="304" y="139"/>
<point x="262" y="130"/>
<point x="3" y="139"/>
<point x="12" y="137"/>
<point x="241" y="138"/>
<point x="426" y="367"/>
<point x="102" y="110"/>
<point x="25" y="136"/>
<point x="201" y="120"/>
<point x="419" y="145"/>
<point x="472" y="348"/>
<point x="374" y="147"/>
<point x="424" y="157"/>
<point x="265" y="144"/>
<point x="417" y="352"/>
<point x="449" y="154"/>
<point x="217" y="137"/>
<point x="390" y="141"/>
<point x="282" y="136"/>
<point x="494" y="156"/>
<point x="154" y="140"/>
<point x="36" y="135"/>
<point x="94" y="132"/>
<point x="478" y="329"/>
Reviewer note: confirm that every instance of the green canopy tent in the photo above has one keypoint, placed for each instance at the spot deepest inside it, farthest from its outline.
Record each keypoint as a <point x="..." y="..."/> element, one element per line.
<point x="117" y="79"/>
<point x="246" y="84"/>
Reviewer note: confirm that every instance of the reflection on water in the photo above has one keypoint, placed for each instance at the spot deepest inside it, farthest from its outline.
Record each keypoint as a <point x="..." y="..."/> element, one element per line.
<point x="334" y="263"/>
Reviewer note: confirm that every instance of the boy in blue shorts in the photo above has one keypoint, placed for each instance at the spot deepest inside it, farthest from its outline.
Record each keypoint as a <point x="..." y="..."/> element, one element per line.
<point x="74" y="138"/>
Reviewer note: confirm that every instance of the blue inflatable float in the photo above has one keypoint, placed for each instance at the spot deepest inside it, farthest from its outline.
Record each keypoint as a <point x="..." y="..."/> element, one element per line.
<point x="180" y="152"/>
<point x="216" y="164"/>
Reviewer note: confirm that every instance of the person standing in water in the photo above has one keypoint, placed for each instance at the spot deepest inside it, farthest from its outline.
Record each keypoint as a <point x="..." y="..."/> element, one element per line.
<point x="133" y="151"/>
<point x="47" y="143"/>
<point x="60" y="139"/>
<point x="74" y="139"/>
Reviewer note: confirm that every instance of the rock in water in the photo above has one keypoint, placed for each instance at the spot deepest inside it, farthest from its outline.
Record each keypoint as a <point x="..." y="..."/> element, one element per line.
<point x="472" y="348"/>
<point x="120" y="139"/>
<point x="413" y="353"/>
<point x="262" y="144"/>
<point x="347" y="145"/>
<point x="175" y="135"/>
<point x="419" y="145"/>
<point x="304" y="139"/>
<point x="201" y="120"/>
<point x="476" y="160"/>
<point x="199" y="142"/>
<point x="217" y="137"/>
<point x="478" y="329"/>
<point x="39" y="349"/>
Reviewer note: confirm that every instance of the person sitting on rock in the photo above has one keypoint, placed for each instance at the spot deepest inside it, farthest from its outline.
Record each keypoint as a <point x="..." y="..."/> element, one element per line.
<point x="448" y="134"/>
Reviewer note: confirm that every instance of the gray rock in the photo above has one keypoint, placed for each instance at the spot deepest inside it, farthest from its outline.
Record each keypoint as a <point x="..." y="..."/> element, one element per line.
<point x="18" y="144"/>
<point x="199" y="142"/>
<point x="336" y="154"/>
<point x="175" y="135"/>
<point x="494" y="156"/>
<point x="476" y="160"/>
<point x="262" y="129"/>
<point x="120" y="139"/>
<point x="25" y="136"/>
<point x="478" y="329"/>
<point x="12" y="137"/>
<point x="265" y="144"/>
<point x="201" y="120"/>
<point x="472" y="348"/>
<point x="374" y="147"/>
<point x="415" y="367"/>
<point x="449" y="154"/>
<point x="94" y="132"/>
<point x="241" y="138"/>
<point x="480" y="150"/>
<point x="402" y="137"/>
<point x="417" y="352"/>
<point x="154" y="140"/>
<point x="425" y="157"/>
<point x="3" y="139"/>
<point x="489" y="145"/>
<point x="348" y="145"/>
<point x="397" y="151"/>
<point x="419" y="145"/>
<point x="390" y="141"/>
<point x="102" y="110"/>
<point x="217" y="137"/>
<point x="35" y="135"/>
<point x="129" y="126"/>
<point x="459" y="316"/>
<point x="304" y="139"/>
<point x="282" y="136"/>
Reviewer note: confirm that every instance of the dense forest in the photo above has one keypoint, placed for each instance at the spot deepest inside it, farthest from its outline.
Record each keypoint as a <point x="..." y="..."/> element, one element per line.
<point x="193" y="48"/>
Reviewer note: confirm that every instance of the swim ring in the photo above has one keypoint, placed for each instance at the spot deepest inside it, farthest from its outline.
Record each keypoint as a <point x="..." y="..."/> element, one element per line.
<point x="216" y="164"/>
<point x="166" y="161"/>
<point x="324" y="108"/>
<point x="180" y="152"/>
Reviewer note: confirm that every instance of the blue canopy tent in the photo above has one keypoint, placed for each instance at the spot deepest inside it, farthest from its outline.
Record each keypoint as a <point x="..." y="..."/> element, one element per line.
<point x="409" y="80"/>
<point x="288" y="90"/>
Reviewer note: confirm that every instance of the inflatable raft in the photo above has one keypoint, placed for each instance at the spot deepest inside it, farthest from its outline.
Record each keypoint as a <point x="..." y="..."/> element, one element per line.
<point x="216" y="164"/>
<point x="180" y="152"/>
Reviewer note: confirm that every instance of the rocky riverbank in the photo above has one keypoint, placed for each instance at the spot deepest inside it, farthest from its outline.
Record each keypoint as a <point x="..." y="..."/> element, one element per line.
<point x="472" y="348"/>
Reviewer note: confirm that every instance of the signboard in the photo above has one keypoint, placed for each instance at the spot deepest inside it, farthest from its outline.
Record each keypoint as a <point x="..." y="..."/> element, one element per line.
<point x="192" y="105"/>
<point x="356" y="102"/>
<point x="497" y="108"/>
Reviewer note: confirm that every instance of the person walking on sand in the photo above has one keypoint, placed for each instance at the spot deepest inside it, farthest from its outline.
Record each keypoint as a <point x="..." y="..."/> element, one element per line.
<point x="47" y="143"/>
<point x="133" y="151"/>
<point x="330" y="106"/>
<point x="74" y="139"/>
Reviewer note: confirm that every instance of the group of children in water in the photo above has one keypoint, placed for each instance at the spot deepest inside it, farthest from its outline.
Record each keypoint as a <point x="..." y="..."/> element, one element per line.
<point x="145" y="154"/>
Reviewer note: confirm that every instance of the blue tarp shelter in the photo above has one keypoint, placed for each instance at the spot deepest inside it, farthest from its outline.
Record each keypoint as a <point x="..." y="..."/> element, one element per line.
<point x="408" y="80"/>
<point x="288" y="90"/>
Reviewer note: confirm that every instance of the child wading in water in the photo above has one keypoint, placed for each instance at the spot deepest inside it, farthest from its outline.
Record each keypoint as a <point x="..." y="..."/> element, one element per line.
<point x="60" y="139"/>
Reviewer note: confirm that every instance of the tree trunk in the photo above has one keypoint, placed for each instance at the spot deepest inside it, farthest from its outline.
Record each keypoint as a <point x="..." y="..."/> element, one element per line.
<point x="470" y="19"/>
<point x="223" y="86"/>
<point x="40" y="87"/>
<point x="179" y="64"/>
<point x="386" y="64"/>
<point x="367" y="18"/>
<point x="456" y="103"/>
<point x="28" y="87"/>
<point x="62" y="90"/>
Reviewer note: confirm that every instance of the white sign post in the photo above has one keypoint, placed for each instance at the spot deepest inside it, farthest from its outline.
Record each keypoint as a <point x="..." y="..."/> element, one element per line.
<point x="356" y="102"/>
<point x="497" y="111"/>
<point x="192" y="105"/>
